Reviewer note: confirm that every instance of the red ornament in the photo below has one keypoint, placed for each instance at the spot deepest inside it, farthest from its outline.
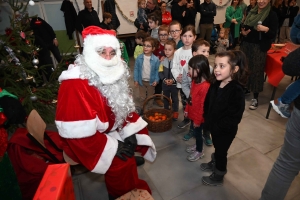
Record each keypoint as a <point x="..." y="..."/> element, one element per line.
<point x="8" y="31"/>
<point x="27" y="41"/>
<point x="38" y="22"/>
<point x="22" y="34"/>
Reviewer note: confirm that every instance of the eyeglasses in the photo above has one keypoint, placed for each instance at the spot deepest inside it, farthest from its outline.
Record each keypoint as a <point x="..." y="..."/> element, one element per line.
<point x="163" y="35"/>
<point x="174" y="31"/>
<point x="104" y="54"/>
<point x="147" y="46"/>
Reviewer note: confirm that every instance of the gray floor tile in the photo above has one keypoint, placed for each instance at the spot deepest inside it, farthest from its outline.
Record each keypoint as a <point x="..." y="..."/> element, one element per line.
<point x="260" y="134"/>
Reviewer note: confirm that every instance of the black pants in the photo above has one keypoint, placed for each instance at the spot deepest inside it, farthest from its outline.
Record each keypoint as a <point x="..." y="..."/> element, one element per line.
<point x="183" y="99"/>
<point x="55" y="51"/>
<point x="222" y="144"/>
<point x="172" y="93"/>
<point x="158" y="87"/>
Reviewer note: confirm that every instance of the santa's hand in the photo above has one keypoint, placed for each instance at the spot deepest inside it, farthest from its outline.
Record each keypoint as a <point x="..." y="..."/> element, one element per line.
<point x="122" y="150"/>
<point x="131" y="142"/>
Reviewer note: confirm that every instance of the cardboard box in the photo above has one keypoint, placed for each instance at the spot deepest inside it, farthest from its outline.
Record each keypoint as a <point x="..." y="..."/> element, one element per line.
<point x="56" y="184"/>
<point x="136" y="194"/>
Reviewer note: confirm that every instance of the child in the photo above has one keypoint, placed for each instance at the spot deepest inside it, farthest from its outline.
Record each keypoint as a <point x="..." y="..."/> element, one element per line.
<point x="222" y="42"/>
<point x="154" y="20"/>
<point x="175" y="31"/>
<point x="169" y="83"/>
<point x="105" y="24"/>
<point x="200" y="74"/>
<point x="199" y="47"/>
<point x="141" y="14"/>
<point x="146" y="69"/>
<point x="223" y="110"/>
<point x="180" y="63"/>
<point x="163" y="32"/>
<point x="139" y="39"/>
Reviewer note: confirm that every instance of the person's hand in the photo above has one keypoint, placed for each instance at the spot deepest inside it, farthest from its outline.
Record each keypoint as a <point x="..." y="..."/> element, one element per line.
<point x="219" y="39"/>
<point x="196" y="125"/>
<point x="179" y="78"/>
<point x="185" y="114"/>
<point x="154" y="84"/>
<point x="262" y="28"/>
<point x="136" y="84"/>
<point x="123" y="150"/>
<point x="170" y="81"/>
<point x="131" y="142"/>
<point x="55" y="42"/>
<point x="245" y="33"/>
<point x="234" y="21"/>
<point x="162" y="58"/>
<point x="183" y="14"/>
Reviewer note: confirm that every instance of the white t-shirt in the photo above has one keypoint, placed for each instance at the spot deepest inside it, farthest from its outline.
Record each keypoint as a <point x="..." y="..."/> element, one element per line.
<point x="180" y="62"/>
<point x="146" y="68"/>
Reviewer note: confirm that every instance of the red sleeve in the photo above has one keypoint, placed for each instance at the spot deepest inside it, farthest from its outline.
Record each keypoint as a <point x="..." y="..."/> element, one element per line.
<point x="199" y="97"/>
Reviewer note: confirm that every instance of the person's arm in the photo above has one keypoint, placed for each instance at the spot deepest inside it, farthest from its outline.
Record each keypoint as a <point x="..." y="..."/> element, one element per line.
<point x="271" y="26"/>
<point x="199" y="99"/>
<point x="291" y="64"/>
<point x="175" y="68"/>
<point x="239" y="15"/>
<point x="156" y="69"/>
<point x="185" y="85"/>
<point x="228" y="14"/>
<point x="79" y="26"/>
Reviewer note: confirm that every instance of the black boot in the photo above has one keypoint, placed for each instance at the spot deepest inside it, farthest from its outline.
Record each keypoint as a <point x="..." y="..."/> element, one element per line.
<point x="139" y="160"/>
<point x="215" y="179"/>
<point x="209" y="166"/>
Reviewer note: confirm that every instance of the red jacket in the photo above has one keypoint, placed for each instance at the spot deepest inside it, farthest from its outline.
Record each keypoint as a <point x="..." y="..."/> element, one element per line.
<point x="198" y="94"/>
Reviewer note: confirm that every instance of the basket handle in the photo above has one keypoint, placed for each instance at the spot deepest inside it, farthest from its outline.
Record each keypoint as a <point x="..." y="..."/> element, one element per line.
<point x="153" y="96"/>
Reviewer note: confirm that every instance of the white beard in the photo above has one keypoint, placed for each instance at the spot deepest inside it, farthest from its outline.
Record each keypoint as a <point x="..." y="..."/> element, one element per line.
<point x="118" y="94"/>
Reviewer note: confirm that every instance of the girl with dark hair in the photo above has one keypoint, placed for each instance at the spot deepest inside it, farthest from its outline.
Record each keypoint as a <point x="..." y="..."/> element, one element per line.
<point x="223" y="110"/>
<point x="200" y="73"/>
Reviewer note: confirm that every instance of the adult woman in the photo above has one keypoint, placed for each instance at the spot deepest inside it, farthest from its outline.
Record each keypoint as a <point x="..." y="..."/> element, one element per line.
<point x="234" y="16"/>
<point x="277" y="7"/>
<point x="190" y="15"/>
<point x="289" y="12"/>
<point x="166" y="15"/>
<point x="252" y="5"/>
<point x="259" y="30"/>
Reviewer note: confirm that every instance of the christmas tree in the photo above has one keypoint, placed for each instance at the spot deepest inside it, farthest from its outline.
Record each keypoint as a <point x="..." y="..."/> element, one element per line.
<point x="20" y="72"/>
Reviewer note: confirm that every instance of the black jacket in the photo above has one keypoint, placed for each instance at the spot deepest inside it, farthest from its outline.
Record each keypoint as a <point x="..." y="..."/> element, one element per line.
<point x="223" y="108"/>
<point x="190" y="17"/>
<point x="291" y="67"/>
<point x="110" y="7"/>
<point x="271" y="22"/>
<point x="208" y="12"/>
<point x="70" y="15"/>
<point x="176" y="12"/>
<point x="43" y="30"/>
<point x="86" y="18"/>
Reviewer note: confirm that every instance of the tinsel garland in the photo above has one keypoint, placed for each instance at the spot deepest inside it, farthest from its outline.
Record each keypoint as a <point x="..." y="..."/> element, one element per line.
<point x="123" y="13"/>
<point x="222" y="6"/>
<point x="14" y="58"/>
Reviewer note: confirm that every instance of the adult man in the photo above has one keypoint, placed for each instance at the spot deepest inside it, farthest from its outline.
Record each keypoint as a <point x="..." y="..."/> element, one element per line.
<point x="208" y="11"/>
<point x="178" y="11"/>
<point x="87" y="17"/>
<point x="151" y="7"/>
<point x="95" y="114"/>
<point x="47" y="35"/>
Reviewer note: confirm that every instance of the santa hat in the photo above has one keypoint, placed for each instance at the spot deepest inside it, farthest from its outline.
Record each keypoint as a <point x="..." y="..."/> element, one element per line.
<point x="96" y="38"/>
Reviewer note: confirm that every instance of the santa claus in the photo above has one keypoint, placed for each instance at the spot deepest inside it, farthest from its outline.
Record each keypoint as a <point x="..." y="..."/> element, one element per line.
<point x="95" y="114"/>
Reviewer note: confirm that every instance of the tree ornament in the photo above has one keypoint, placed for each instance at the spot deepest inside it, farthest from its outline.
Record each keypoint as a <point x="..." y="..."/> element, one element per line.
<point x="35" y="61"/>
<point x="22" y="34"/>
<point x="31" y="3"/>
<point x="33" y="97"/>
<point x="27" y="42"/>
<point x="35" y="66"/>
<point x="8" y="31"/>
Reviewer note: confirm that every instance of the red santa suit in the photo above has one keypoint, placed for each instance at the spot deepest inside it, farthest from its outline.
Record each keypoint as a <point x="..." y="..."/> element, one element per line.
<point x="90" y="136"/>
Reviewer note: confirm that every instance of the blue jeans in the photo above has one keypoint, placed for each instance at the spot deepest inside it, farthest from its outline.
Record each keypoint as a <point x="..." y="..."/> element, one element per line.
<point x="287" y="165"/>
<point x="291" y="93"/>
<point x="198" y="136"/>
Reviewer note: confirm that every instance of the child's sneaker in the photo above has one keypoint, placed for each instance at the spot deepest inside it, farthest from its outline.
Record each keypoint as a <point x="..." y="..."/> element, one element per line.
<point x="196" y="155"/>
<point x="184" y="123"/>
<point x="207" y="140"/>
<point x="188" y="136"/>
<point x="191" y="148"/>
<point x="282" y="109"/>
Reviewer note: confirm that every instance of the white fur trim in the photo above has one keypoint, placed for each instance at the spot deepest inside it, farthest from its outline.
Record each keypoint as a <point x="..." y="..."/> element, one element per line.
<point x="147" y="141"/>
<point x="80" y="129"/>
<point x="73" y="72"/>
<point x="107" y="156"/>
<point x="132" y="128"/>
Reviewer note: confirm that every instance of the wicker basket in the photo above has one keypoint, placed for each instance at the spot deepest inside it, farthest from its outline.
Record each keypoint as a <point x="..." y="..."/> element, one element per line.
<point x="160" y="126"/>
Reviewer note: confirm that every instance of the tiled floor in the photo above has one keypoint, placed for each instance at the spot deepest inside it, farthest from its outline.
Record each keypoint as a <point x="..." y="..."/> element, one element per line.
<point x="250" y="159"/>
